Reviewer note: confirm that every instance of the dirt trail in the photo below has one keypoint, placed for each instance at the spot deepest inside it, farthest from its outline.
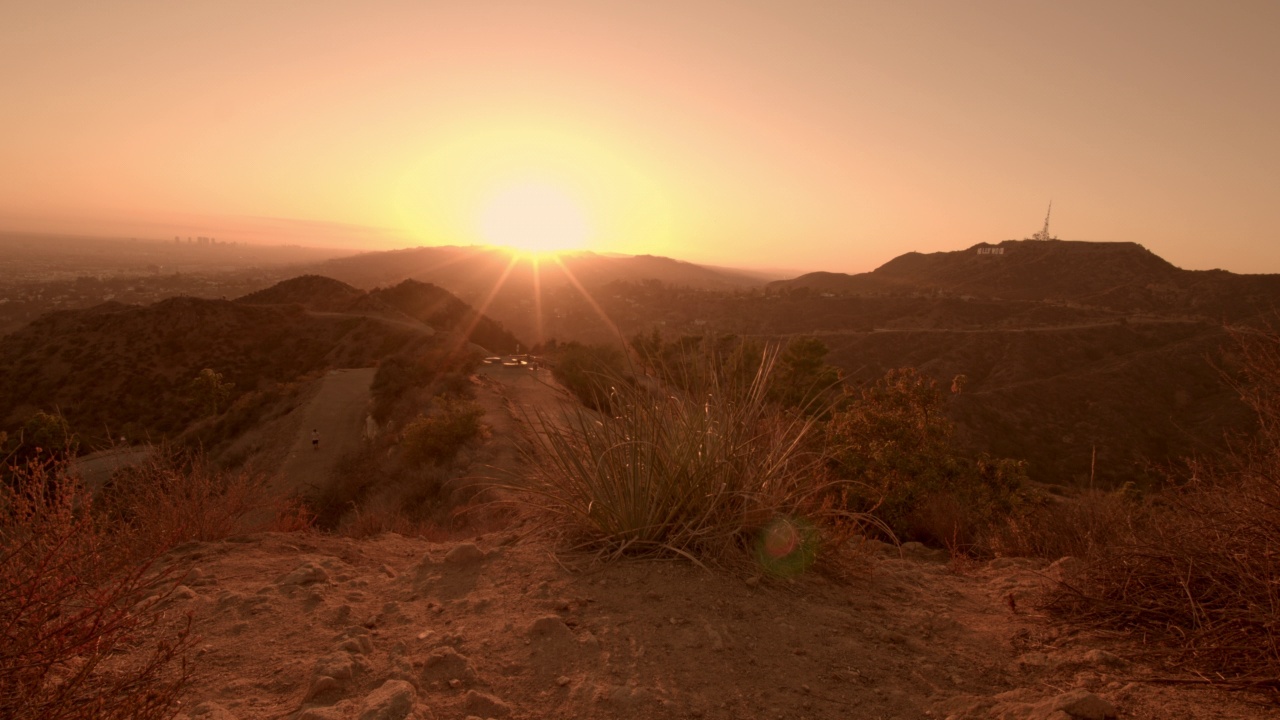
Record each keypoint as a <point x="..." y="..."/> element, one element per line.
<point x="337" y="410"/>
<point x="96" y="468"/>
<point x="508" y="396"/>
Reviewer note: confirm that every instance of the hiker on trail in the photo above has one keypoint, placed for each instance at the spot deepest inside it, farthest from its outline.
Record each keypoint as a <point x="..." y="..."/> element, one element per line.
<point x="315" y="439"/>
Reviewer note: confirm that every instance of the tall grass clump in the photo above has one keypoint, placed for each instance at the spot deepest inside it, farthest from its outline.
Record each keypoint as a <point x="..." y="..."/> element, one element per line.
<point x="84" y="630"/>
<point x="1200" y="570"/>
<point x="711" y="471"/>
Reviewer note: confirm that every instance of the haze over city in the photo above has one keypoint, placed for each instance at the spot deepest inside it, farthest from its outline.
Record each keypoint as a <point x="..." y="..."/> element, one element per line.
<point x="819" y="135"/>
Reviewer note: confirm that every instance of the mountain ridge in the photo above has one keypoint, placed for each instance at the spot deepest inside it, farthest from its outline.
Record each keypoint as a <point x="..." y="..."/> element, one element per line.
<point x="1122" y="276"/>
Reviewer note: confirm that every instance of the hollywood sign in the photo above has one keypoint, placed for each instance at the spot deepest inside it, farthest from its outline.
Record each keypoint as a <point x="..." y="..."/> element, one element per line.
<point x="990" y="251"/>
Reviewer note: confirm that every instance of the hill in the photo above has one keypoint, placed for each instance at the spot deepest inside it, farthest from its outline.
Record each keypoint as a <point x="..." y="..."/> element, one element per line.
<point x="1118" y="276"/>
<point x="468" y="270"/>
<point x="410" y="301"/>
<point x="127" y="370"/>
<point x="321" y="294"/>
<point x="1090" y="360"/>
<point x="537" y="299"/>
<point x="439" y="308"/>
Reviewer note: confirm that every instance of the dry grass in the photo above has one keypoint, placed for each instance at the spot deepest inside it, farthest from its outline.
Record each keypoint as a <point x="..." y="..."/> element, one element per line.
<point x="1080" y="526"/>
<point x="71" y="599"/>
<point x="1200" y="570"/>
<point x="177" y="496"/>
<point x="714" y="473"/>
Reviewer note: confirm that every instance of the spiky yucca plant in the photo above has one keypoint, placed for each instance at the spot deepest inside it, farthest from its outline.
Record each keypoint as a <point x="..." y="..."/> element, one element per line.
<point x="702" y="472"/>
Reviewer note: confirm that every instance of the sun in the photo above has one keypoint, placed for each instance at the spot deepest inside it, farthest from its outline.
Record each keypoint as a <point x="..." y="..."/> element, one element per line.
<point x="534" y="217"/>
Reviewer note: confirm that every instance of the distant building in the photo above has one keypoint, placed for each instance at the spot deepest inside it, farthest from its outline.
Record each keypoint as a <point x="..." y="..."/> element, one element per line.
<point x="990" y="251"/>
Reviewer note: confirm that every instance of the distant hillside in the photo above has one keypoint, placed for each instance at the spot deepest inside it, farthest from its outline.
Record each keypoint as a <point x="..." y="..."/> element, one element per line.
<point x="409" y="301"/>
<point x="127" y="369"/>
<point x="1119" y="276"/>
<point x="467" y="270"/>
<point x="535" y="300"/>
<point x="1069" y="348"/>
<point x="440" y="309"/>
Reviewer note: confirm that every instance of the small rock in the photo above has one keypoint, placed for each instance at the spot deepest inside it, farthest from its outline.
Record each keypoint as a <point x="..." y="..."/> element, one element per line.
<point x="1083" y="705"/>
<point x="464" y="555"/>
<point x="198" y="577"/>
<point x="320" y="685"/>
<point x="447" y="664"/>
<point x="306" y="574"/>
<point x="340" y="666"/>
<point x="392" y="701"/>
<point x="1034" y="659"/>
<point x="485" y="705"/>
<point x="182" y="592"/>
<point x="550" y="627"/>
<point x="362" y="645"/>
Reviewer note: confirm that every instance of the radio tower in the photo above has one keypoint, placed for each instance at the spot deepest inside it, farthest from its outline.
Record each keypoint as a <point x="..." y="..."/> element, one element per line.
<point x="1044" y="234"/>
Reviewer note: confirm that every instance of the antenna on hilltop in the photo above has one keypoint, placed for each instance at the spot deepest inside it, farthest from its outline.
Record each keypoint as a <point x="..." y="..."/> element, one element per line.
<point x="1044" y="234"/>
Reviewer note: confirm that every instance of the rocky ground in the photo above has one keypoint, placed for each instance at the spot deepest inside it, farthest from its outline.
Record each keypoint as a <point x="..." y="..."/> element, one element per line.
<point x="319" y="628"/>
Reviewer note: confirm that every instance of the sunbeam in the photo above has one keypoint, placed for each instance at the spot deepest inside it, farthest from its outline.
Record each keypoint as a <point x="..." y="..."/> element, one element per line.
<point x="590" y="300"/>
<point x="484" y="305"/>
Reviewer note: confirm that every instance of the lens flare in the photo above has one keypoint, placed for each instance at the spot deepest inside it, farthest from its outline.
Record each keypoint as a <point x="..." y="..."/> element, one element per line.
<point x="786" y="547"/>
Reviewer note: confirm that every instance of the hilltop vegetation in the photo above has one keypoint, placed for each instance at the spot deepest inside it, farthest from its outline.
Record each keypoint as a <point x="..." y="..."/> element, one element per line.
<point x="120" y="370"/>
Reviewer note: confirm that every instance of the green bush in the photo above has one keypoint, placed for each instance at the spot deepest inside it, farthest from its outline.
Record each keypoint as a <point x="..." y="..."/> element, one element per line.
<point x="437" y="438"/>
<point x="590" y="372"/>
<point x="401" y="378"/>
<point x="894" y="443"/>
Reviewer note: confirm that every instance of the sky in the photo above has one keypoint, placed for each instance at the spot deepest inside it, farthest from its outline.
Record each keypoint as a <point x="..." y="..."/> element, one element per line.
<point x="808" y="135"/>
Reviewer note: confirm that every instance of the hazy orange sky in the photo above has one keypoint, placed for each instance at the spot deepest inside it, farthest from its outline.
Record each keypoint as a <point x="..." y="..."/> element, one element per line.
<point x="803" y="135"/>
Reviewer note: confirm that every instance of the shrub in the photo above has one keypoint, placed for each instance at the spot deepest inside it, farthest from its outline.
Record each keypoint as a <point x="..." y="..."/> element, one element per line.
<point x="178" y="496"/>
<point x="400" y="379"/>
<point x="42" y="435"/>
<point x="1080" y="526"/>
<point x="437" y="438"/>
<point x="704" y="473"/>
<point x="589" y="371"/>
<point x="1200" y="569"/>
<point x="71" y="601"/>
<point x="894" y="443"/>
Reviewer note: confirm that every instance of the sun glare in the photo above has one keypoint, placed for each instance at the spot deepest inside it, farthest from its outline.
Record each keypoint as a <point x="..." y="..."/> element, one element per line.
<point x="534" y="217"/>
